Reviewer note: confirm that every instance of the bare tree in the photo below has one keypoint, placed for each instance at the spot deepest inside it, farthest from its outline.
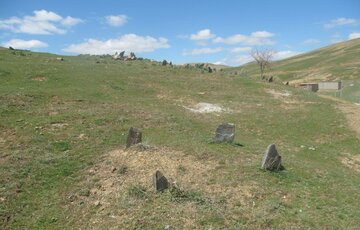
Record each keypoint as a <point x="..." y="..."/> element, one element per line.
<point x="263" y="59"/>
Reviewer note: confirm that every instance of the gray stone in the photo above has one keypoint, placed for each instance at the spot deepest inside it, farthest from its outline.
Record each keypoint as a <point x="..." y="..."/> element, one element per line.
<point x="272" y="159"/>
<point x="209" y="69"/>
<point x="164" y="63"/>
<point x="225" y="133"/>
<point x="134" y="137"/>
<point x="121" y="55"/>
<point x="271" y="79"/>
<point x="160" y="182"/>
<point x="132" y="56"/>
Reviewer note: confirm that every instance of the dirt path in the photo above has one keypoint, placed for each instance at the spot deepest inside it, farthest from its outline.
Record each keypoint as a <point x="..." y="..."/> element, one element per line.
<point x="351" y="111"/>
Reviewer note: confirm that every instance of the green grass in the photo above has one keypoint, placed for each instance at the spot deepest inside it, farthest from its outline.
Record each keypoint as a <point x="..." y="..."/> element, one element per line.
<point x="52" y="131"/>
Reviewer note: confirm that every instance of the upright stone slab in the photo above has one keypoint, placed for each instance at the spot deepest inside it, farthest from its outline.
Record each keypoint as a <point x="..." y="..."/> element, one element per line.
<point x="225" y="133"/>
<point x="272" y="159"/>
<point x="160" y="182"/>
<point x="134" y="137"/>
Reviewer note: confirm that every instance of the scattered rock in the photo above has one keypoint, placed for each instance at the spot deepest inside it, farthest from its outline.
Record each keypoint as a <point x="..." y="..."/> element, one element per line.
<point x="97" y="203"/>
<point x="60" y="59"/>
<point x="312" y="148"/>
<point x="121" y="55"/>
<point x="132" y="56"/>
<point x="271" y="79"/>
<point x="225" y="133"/>
<point x="113" y="169"/>
<point x="134" y="137"/>
<point x="160" y="182"/>
<point x="10" y="48"/>
<point x="272" y="159"/>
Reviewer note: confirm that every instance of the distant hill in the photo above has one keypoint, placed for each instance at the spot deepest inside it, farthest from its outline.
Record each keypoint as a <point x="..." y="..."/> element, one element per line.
<point x="338" y="61"/>
<point x="216" y="66"/>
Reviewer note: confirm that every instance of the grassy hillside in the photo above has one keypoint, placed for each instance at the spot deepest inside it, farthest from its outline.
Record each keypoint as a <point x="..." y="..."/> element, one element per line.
<point x="340" y="61"/>
<point x="63" y="165"/>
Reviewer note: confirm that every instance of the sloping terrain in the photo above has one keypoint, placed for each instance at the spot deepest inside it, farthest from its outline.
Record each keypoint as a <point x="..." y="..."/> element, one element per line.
<point x="340" y="61"/>
<point x="64" y="165"/>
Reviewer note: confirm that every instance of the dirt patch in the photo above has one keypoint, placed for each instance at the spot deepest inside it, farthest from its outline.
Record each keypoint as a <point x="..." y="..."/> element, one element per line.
<point x="108" y="182"/>
<point x="352" y="162"/>
<point x="288" y="102"/>
<point x="351" y="112"/>
<point x="206" y="108"/>
<point x="277" y="94"/>
<point x="39" y="78"/>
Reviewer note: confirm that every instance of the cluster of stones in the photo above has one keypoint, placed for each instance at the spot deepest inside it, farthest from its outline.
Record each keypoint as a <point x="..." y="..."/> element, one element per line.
<point x="224" y="133"/>
<point x="121" y="56"/>
<point x="165" y="63"/>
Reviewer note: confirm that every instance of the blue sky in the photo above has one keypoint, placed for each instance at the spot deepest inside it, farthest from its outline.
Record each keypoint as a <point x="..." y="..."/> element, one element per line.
<point x="179" y="31"/>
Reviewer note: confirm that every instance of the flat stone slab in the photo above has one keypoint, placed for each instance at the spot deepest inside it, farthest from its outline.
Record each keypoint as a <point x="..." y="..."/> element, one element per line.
<point x="272" y="159"/>
<point x="224" y="133"/>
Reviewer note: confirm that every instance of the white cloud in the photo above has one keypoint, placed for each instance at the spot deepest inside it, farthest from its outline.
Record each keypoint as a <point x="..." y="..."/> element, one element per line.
<point x="354" y="35"/>
<point x="42" y="22"/>
<point x="341" y="22"/>
<point x="219" y="63"/>
<point x="70" y="21"/>
<point x="204" y="34"/>
<point x="285" y="54"/>
<point x="242" y="59"/>
<point x="116" y="20"/>
<point x="255" y="38"/>
<point x="240" y="49"/>
<point x="127" y="42"/>
<point x="335" y="38"/>
<point x="311" y="41"/>
<point x="23" y="44"/>
<point x="202" y="51"/>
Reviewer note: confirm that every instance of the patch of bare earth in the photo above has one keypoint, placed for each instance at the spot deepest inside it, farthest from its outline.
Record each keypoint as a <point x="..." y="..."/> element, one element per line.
<point x="109" y="205"/>
<point x="39" y="78"/>
<point x="288" y="101"/>
<point x="351" y="112"/>
<point x="353" y="162"/>
<point x="203" y="107"/>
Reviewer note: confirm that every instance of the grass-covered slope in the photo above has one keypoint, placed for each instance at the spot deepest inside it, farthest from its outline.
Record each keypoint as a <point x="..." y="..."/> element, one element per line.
<point x="337" y="61"/>
<point x="63" y="128"/>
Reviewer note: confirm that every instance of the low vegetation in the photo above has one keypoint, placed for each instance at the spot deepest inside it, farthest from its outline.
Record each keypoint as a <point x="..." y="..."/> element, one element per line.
<point x="63" y="162"/>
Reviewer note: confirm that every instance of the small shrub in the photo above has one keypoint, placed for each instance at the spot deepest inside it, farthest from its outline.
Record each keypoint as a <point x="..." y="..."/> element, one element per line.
<point x="61" y="146"/>
<point x="179" y="195"/>
<point x="122" y="169"/>
<point x="138" y="191"/>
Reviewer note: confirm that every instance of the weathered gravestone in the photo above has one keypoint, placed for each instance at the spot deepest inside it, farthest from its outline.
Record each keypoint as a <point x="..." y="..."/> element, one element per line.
<point x="225" y="133"/>
<point x="134" y="137"/>
<point x="164" y="63"/>
<point x="121" y="55"/>
<point x="160" y="182"/>
<point x="272" y="159"/>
